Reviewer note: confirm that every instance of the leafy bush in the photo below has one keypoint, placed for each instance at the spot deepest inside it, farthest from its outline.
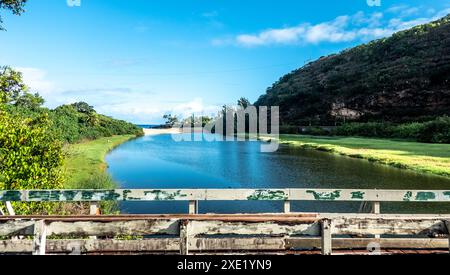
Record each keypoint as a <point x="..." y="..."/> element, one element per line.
<point x="30" y="158"/>
<point x="76" y="122"/>
<point x="436" y="131"/>
<point x="316" y="131"/>
<point x="288" y="129"/>
<point x="370" y="129"/>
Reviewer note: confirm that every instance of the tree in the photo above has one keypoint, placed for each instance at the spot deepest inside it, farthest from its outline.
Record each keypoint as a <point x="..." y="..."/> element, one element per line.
<point x="11" y="85"/>
<point x="83" y="107"/>
<point x="170" y="120"/>
<point x="15" y="6"/>
<point x="243" y="102"/>
<point x="13" y="91"/>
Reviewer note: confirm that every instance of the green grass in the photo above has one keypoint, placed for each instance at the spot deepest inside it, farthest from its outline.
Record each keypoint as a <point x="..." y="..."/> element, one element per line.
<point x="85" y="163"/>
<point x="420" y="157"/>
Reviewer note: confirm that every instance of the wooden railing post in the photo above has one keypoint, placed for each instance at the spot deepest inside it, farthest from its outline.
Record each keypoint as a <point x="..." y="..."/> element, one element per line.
<point x="326" y="237"/>
<point x="447" y="224"/>
<point x="94" y="208"/>
<point x="184" y="237"/>
<point x="376" y="207"/>
<point x="40" y="237"/>
<point x="193" y="207"/>
<point x="287" y="207"/>
<point x="10" y="208"/>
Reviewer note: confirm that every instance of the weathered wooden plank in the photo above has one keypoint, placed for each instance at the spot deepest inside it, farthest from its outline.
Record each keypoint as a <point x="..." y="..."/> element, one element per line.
<point x="393" y="226"/>
<point x="363" y="243"/>
<point x="229" y="194"/>
<point x="163" y="245"/>
<point x="17" y="227"/>
<point x="114" y="228"/>
<point x="232" y="224"/>
<point x="305" y="217"/>
<point x="272" y="228"/>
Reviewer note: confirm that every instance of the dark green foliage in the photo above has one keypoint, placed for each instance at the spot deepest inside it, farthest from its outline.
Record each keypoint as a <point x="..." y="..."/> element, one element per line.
<point x="435" y="131"/>
<point x="398" y="79"/>
<point x="73" y="124"/>
<point x="30" y="157"/>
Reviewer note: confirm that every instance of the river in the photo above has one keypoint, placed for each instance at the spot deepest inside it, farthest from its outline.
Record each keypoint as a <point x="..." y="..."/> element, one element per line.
<point x="160" y="162"/>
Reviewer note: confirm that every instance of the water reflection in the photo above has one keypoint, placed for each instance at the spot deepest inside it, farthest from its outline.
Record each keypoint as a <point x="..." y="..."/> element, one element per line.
<point x="159" y="162"/>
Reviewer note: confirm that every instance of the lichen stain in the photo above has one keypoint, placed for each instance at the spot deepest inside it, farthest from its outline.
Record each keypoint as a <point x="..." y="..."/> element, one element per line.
<point x="325" y="196"/>
<point x="10" y="196"/>
<point x="425" y="196"/>
<point x="358" y="195"/>
<point x="267" y="195"/>
<point x="160" y="195"/>
<point x="407" y="196"/>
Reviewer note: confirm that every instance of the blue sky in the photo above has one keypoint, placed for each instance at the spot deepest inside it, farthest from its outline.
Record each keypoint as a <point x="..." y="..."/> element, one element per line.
<point x="138" y="60"/>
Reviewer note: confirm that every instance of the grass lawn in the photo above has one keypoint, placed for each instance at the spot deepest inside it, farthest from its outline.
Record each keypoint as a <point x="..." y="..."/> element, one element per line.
<point x="85" y="163"/>
<point x="421" y="157"/>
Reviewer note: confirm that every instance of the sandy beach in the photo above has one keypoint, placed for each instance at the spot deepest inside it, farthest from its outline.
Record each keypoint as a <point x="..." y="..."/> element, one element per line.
<point x="153" y="132"/>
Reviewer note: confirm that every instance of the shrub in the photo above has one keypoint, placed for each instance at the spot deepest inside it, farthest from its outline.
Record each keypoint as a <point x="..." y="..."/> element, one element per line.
<point x="436" y="131"/>
<point x="30" y="158"/>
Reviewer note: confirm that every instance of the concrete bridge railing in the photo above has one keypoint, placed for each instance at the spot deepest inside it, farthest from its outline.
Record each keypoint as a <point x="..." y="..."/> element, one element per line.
<point x="195" y="195"/>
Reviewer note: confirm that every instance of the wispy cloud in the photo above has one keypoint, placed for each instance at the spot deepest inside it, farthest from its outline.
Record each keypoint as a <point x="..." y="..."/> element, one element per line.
<point x="36" y="80"/>
<point x="346" y="28"/>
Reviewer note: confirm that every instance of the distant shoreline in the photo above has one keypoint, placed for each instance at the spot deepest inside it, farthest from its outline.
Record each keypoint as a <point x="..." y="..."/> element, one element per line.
<point x="153" y="132"/>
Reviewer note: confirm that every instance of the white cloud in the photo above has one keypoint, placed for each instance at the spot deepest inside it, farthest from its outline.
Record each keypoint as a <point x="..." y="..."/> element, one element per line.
<point x="342" y="29"/>
<point x="36" y="80"/>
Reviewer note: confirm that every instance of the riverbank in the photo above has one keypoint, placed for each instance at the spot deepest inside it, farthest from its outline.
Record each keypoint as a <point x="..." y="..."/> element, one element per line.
<point x="85" y="163"/>
<point x="419" y="157"/>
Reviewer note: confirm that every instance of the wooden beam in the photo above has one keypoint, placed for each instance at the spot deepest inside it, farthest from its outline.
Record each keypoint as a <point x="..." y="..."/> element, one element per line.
<point x="40" y="237"/>
<point x="263" y="228"/>
<point x="184" y="237"/>
<point x="10" y="208"/>
<point x="326" y="237"/>
<point x="287" y="207"/>
<point x="390" y="226"/>
<point x="447" y="224"/>
<point x="94" y="209"/>
<point x="193" y="207"/>
<point x="376" y="207"/>
<point x="226" y="244"/>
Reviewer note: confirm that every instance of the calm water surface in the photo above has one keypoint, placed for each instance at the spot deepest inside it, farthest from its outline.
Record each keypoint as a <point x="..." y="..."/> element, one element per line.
<point x="159" y="162"/>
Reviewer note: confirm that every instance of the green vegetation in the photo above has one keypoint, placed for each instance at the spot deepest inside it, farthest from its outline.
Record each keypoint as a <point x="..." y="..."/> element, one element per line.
<point x="32" y="139"/>
<point x="435" y="131"/>
<point x="85" y="164"/>
<point x="403" y="78"/>
<point x="420" y="157"/>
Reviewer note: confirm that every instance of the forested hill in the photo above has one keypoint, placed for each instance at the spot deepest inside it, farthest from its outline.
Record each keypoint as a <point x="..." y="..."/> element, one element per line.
<point x="401" y="78"/>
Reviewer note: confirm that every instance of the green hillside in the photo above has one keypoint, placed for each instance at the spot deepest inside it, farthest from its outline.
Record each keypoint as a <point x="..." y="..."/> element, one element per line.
<point x="405" y="77"/>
